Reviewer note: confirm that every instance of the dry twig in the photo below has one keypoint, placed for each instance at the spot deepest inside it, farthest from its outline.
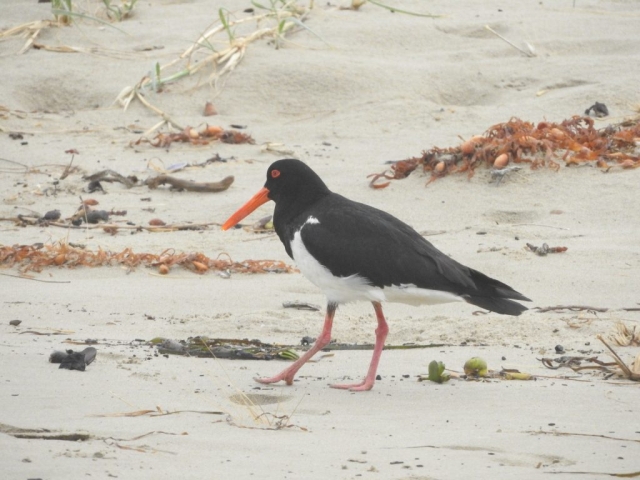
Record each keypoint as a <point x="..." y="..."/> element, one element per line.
<point x="191" y="186"/>
<point x="222" y="61"/>
<point x="635" y="376"/>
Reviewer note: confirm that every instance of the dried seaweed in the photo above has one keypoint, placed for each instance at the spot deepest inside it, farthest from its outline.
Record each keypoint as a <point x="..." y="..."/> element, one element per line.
<point x="575" y="141"/>
<point x="572" y="308"/>
<point x="111" y="176"/>
<point x="208" y="134"/>
<point x="577" y="364"/>
<point x="301" y="306"/>
<point x="112" y="228"/>
<point x="234" y="349"/>
<point x="632" y="373"/>
<point x="556" y="433"/>
<point x="42" y="434"/>
<point x="38" y="256"/>
<point x="157" y="412"/>
<point x="545" y="249"/>
<point x="245" y="349"/>
<point x="626" y="335"/>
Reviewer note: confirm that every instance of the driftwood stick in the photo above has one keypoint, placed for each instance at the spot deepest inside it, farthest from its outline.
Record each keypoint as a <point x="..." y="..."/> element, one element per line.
<point x="189" y="185"/>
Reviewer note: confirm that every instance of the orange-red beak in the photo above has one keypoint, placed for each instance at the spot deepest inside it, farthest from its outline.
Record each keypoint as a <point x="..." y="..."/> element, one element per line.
<point x="258" y="199"/>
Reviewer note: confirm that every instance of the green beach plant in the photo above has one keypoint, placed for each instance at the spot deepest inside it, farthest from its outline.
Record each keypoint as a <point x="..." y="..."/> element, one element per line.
<point x="119" y="12"/>
<point x="273" y="19"/>
<point x="62" y="11"/>
<point x="221" y="55"/>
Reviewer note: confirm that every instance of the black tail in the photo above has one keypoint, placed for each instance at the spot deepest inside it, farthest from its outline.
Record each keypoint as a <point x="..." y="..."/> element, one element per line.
<point x="496" y="304"/>
<point x="495" y="295"/>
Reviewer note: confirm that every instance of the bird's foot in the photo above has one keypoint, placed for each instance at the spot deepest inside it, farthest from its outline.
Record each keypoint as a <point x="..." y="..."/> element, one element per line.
<point x="355" y="387"/>
<point x="286" y="376"/>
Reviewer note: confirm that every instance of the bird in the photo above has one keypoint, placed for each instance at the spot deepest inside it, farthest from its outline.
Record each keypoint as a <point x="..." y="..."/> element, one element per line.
<point x="355" y="252"/>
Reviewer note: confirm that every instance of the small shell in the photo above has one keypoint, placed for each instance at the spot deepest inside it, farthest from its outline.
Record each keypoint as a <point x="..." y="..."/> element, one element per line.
<point x="90" y="202"/>
<point x="439" y="167"/>
<point x="628" y="163"/>
<point x="209" y="110"/>
<point x="557" y="133"/>
<point x="193" y="133"/>
<point x="501" y="161"/>
<point x="156" y="222"/>
<point x="60" y="259"/>
<point x="163" y="269"/>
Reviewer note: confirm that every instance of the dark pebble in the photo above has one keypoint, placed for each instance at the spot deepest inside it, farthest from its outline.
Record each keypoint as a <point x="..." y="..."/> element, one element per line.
<point x="96" y="216"/>
<point x="52" y="215"/>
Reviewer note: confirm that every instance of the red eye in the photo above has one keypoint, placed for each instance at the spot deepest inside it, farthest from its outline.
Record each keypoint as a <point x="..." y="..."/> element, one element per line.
<point x="275" y="173"/>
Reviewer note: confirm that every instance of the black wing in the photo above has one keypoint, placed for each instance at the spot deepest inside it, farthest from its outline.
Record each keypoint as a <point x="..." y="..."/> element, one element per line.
<point x="353" y="238"/>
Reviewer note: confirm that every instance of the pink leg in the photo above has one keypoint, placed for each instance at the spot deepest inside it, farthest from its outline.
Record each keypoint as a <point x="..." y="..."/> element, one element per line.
<point x="381" y="335"/>
<point x="322" y="341"/>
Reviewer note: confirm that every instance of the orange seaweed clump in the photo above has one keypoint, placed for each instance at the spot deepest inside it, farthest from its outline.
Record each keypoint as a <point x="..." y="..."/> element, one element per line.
<point x="39" y="256"/>
<point x="574" y="141"/>
<point x="203" y="137"/>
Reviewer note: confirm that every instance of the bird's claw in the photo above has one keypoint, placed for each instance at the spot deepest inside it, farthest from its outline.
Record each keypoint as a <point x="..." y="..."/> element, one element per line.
<point x="276" y="379"/>
<point x="354" y="387"/>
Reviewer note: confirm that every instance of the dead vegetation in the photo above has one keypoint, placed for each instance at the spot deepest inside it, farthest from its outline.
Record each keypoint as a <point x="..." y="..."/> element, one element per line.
<point x="37" y="257"/>
<point x="230" y="348"/>
<point x="205" y="136"/>
<point x="221" y="49"/>
<point x="574" y="141"/>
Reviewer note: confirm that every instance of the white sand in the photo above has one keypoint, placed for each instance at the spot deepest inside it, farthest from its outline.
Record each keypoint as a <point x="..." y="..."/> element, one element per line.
<point x="386" y="87"/>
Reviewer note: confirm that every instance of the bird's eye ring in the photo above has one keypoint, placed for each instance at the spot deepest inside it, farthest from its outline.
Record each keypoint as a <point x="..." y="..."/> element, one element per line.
<point x="275" y="173"/>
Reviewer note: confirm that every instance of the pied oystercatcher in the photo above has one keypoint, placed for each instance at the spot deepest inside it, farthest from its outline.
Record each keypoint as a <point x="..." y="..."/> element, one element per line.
<point x="353" y="251"/>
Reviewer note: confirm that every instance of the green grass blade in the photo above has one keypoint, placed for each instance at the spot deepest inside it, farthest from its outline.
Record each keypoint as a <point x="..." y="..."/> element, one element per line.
<point x="225" y="22"/>
<point x="56" y="11"/>
<point x="406" y="12"/>
<point x="306" y="27"/>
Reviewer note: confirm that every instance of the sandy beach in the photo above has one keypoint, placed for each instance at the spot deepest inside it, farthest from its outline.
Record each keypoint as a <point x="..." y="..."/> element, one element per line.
<point x="347" y="93"/>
